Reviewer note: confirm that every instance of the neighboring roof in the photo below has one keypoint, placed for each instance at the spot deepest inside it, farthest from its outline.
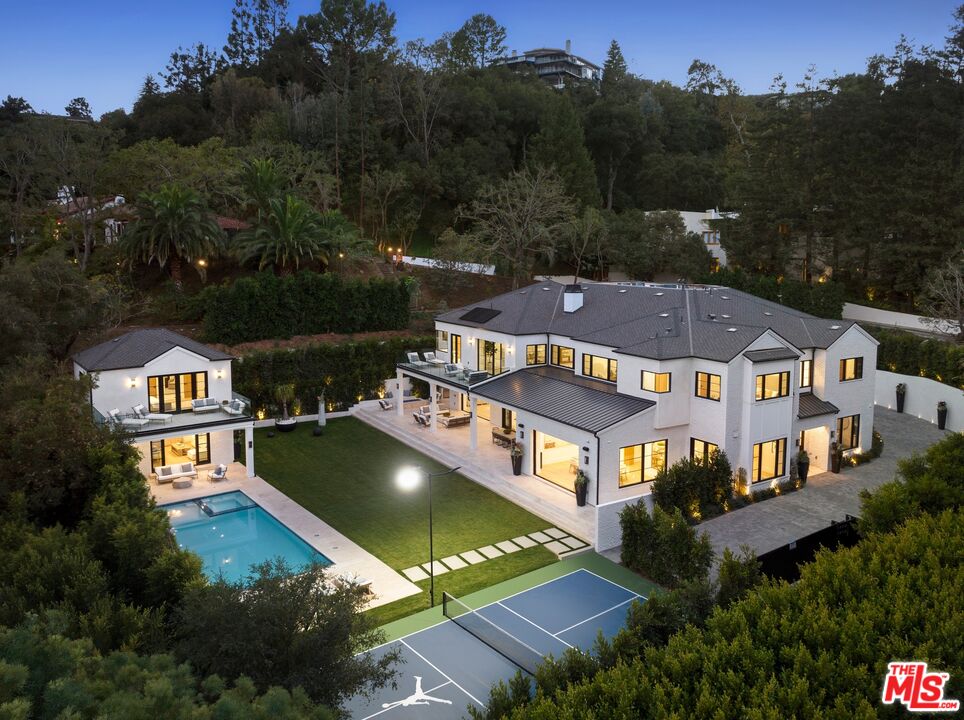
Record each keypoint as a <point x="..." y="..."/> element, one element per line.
<point x="654" y="321"/>
<point x="560" y="395"/>
<point x="226" y="223"/>
<point x="139" y="347"/>
<point x="812" y="406"/>
<point x="768" y="354"/>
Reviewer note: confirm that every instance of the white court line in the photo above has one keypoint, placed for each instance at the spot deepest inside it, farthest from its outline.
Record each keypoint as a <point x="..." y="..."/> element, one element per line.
<point x="436" y="668"/>
<point x="385" y="710"/>
<point x="556" y="635"/>
<point x="613" y="583"/>
<point x="539" y="627"/>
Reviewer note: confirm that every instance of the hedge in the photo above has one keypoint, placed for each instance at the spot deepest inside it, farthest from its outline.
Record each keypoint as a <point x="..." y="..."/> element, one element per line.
<point x="345" y="372"/>
<point x="909" y="354"/>
<point x="825" y="300"/>
<point x="265" y="306"/>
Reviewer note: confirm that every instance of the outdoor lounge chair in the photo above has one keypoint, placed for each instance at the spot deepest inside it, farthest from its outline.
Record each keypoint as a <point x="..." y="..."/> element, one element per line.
<point x="385" y="404"/>
<point x="203" y="405"/>
<point x="116" y="417"/>
<point x="414" y="359"/>
<point x="140" y="412"/>
<point x="235" y="407"/>
<point x="219" y="473"/>
<point x="452" y="369"/>
<point x="430" y="358"/>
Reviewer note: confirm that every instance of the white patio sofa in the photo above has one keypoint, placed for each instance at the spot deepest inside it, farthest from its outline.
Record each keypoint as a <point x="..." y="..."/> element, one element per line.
<point x="235" y="407"/>
<point x="455" y="418"/>
<point x="169" y="473"/>
<point x="203" y="405"/>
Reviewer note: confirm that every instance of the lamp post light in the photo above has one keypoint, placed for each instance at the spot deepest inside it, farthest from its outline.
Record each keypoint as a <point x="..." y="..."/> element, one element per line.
<point x="407" y="480"/>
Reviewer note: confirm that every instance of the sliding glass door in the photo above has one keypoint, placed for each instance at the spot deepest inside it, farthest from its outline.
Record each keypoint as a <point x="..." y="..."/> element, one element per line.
<point x="173" y="393"/>
<point x="187" y="448"/>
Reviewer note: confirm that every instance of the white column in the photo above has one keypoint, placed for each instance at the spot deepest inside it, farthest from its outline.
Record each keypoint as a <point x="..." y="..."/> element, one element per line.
<point x="473" y="425"/>
<point x="249" y="450"/>
<point x="433" y="390"/>
<point x="398" y="395"/>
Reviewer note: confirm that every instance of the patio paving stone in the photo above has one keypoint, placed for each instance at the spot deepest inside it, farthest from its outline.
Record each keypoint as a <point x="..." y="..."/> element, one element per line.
<point x="540" y="537"/>
<point x="490" y="551"/>
<point x="440" y="569"/>
<point x="524" y="541"/>
<point x="415" y="574"/>
<point x="472" y="557"/>
<point x="454" y="562"/>
<point x="507" y="546"/>
<point x="572" y="542"/>
<point x="556" y="547"/>
<point x="556" y="533"/>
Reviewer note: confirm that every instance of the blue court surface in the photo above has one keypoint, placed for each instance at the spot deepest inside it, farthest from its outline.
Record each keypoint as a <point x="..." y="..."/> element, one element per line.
<point x="446" y="668"/>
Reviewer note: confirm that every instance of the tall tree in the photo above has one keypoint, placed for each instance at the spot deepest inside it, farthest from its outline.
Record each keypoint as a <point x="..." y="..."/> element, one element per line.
<point x="173" y="226"/>
<point x="79" y="109"/>
<point x="560" y="144"/>
<point x="13" y="109"/>
<point x="191" y="69"/>
<point x="518" y="221"/>
<point x="479" y="41"/>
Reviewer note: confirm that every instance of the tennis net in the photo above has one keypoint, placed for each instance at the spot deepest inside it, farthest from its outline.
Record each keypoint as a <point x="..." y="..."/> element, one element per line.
<point x="483" y="629"/>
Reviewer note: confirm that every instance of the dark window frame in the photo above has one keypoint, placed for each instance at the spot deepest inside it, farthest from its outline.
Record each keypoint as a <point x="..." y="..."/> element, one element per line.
<point x="642" y="455"/>
<point x="780" y="455"/>
<point x="806" y="374"/>
<point x="709" y="386"/>
<point x="706" y="449"/>
<point x="554" y="353"/>
<point x="858" y="369"/>
<point x="535" y="347"/>
<point x="612" y="367"/>
<point x="642" y="381"/>
<point x="783" y="385"/>
<point x="178" y="408"/>
<point x="854" y="439"/>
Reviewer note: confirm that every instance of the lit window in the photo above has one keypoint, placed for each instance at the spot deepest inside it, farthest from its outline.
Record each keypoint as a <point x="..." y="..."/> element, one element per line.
<point x="701" y="450"/>
<point x="563" y="356"/>
<point x="641" y="463"/>
<point x="442" y="341"/>
<point x="773" y="385"/>
<point x="599" y="367"/>
<point x="768" y="459"/>
<point x="851" y="369"/>
<point x="656" y="382"/>
<point x="806" y="373"/>
<point x="848" y="432"/>
<point x="707" y="386"/>
<point x="535" y="354"/>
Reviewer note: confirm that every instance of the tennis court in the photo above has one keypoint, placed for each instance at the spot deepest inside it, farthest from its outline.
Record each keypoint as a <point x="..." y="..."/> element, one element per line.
<point x="455" y="663"/>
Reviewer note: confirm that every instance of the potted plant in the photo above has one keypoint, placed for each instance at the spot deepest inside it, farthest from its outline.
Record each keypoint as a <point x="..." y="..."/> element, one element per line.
<point x="515" y="455"/>
<point x="836" y="457"/>
<point x="581" y="486"/>
<point x="901" y="391"/>
<point x="803" y="465"/>
<point x="941" y="415"/>
<point x="285" y="394"/>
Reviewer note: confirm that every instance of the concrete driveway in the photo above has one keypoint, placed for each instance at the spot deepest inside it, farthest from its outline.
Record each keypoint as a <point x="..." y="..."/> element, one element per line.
<point x="775" y="522"/>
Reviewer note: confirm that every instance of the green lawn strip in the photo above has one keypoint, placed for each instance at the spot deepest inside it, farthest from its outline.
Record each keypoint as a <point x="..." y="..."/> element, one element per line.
<point x="346" y="478"/>
<point x="590" y="561"/>
<point x="466" y="581"/>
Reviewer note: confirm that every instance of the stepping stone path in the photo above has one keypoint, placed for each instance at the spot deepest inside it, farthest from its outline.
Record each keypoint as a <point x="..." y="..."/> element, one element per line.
<point x="553" y="539"/>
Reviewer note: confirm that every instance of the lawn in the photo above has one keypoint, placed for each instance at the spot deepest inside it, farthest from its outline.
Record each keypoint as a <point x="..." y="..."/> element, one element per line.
<point x="347" y="478"/>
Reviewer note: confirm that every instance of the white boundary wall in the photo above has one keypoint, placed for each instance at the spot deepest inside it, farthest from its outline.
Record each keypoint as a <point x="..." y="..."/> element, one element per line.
<point x="889" y="318"/>
<point x="477" y="268"/>
<point x="608" y="532"/>
<point x="922" y="397"/>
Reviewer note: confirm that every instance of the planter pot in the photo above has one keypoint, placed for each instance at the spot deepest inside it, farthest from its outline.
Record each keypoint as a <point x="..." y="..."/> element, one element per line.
<point x="317" y="432"/>
<point x="285" y="425"/>
<point x="835" y="463"/>
<point x="516" y="465"/>
<point x="941" y="418"/>
<point x="581" y="492"/>
<point x="802" y="469"/>
<point x="900" y="402"/>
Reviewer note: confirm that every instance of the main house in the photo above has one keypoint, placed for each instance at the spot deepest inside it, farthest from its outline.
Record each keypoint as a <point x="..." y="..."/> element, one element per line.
<point x="174" y="396"/>
<point x="618" y="380"/>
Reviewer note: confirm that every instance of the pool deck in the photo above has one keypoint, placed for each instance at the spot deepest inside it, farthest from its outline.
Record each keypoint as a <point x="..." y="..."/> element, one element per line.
<point x="348" y="558"/>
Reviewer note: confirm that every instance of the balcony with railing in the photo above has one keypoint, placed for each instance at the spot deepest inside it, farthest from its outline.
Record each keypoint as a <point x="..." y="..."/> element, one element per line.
<point x="222" y="412"/>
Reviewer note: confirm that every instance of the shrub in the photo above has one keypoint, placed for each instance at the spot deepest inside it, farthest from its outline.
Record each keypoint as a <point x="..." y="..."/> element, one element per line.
<point x="908" y="354"/>
<point x="266" y="306"/>
<point x="825" y="300"/>
<point x="663" y="546"/>
<point x="698" y="489"/>
<point x="738" y="574"/>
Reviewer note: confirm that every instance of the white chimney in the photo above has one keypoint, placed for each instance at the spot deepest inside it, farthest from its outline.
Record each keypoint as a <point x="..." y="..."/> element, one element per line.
<point x="572" y="298"/>
<point x="568" y="47"/>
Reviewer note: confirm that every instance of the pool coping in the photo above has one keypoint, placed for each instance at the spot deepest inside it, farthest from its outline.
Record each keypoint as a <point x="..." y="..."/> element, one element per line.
<point x="347" y="557"/>
<point x="590" y="561"/>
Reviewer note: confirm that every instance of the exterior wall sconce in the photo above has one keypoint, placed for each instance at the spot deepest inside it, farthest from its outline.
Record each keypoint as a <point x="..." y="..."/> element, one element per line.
<point x="219" y="374"/>
<point x="133" y="382"/>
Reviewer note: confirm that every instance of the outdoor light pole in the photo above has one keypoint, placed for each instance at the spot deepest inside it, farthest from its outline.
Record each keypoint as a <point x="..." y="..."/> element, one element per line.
<point x="408" y="479"/>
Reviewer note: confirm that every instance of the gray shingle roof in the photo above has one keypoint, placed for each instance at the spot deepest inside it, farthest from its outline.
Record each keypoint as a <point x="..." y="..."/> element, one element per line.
<point x="139" y="347"/>
<point x="812" y="406"/>
<point x="559" y="395"/>
<point x="715" y="323"/>
<point x="771" y="354"/>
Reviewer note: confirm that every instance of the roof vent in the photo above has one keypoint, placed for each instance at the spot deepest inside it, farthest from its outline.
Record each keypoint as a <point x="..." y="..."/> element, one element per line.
<point x="712" y="316"/>
<point x="572" y="298"/>
<point x="768" y="313"/>
<point x="724" y="297"/>
<point x="547" y="289"/>
<point x="834" y="327"/>
<point x="623" y="290"/>
<point x="664" y="314"/>
<point x="659" y="294"/>
<point x="522" y="292"/>
<point x="727" y="316"/>
<point x="731" y="329"/>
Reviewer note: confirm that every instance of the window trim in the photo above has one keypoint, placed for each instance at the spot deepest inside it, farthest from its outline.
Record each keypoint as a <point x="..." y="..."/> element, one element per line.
<point x="442" y="346"/>
<point x="642" y="381"/>
<point x="858" y="362"/>
<point x="554" y="356"/>
<point x="642" y="470"/>
<point x="854" y="432"/>
<point x="709" y="386"/>
<point x="178" y="407"/>
<point x="706" y="451"/>
<point x="536" y="353"/>
<point x="808" y="363"/>
<point x="757" y="461"/>
<point x="759" y="393"/>
<point x="612" y="367"/>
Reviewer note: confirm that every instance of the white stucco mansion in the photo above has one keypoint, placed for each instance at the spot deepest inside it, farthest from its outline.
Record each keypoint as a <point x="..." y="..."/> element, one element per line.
<point x="174" y="395"/>
<point x="620" y="379"/>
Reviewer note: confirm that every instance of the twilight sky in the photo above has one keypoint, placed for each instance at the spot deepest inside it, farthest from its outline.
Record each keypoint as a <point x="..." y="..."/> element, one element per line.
<point x="54" y="50"/>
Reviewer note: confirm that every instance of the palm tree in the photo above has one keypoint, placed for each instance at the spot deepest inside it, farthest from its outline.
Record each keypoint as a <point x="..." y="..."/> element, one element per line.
<point x="262" y="181"/>
<point x="173" y="225"/>
<point x="292" y="232"/>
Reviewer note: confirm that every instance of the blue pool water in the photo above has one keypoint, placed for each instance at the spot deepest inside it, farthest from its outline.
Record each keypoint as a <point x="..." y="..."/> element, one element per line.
<point x="231" y="532"/>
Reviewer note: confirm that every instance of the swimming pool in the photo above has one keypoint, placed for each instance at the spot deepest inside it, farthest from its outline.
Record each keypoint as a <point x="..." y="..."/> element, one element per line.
<point x="231" y="532"/>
